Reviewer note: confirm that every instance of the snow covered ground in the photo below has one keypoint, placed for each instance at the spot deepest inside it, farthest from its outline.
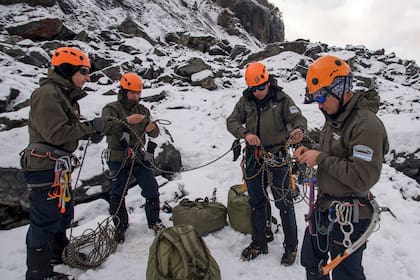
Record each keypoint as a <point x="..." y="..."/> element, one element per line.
<point x="200" y="134"/>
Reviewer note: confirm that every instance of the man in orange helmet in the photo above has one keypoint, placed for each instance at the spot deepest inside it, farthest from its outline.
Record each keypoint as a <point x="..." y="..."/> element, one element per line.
<point x="54" y="134"/>
<point x="121" y="141"/>
<point x="353" y="143"/>
<point x="267" y="117"/>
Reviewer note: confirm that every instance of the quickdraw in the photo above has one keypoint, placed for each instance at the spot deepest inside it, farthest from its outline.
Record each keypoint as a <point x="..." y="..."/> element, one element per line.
<point x="62" y="182"/>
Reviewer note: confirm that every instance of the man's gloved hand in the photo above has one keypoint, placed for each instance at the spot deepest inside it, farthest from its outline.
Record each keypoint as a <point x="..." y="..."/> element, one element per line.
<point x="236" y="148"/>
<point x="125" y="140"/>
<point x="150" y="151"/>
<point x="96" y="137"/>
<point x="98" y="125"/>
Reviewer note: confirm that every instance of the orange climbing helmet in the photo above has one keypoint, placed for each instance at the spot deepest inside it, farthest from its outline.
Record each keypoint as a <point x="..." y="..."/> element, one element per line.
<point x="323" y="72"/>
<point x="256" y="74"/>
<point x="71" y="56"/>
<point x="131" y="81"/>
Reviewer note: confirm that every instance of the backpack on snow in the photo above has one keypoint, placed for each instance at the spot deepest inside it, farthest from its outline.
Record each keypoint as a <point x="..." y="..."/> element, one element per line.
<point x="179" y="253"/>
<point x="204" y="215"/>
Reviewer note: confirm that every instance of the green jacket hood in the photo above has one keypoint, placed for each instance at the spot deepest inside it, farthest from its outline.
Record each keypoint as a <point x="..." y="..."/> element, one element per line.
<point x="364" y="100"/>
<point x="74" y="93"/>
<point x="127" y="104"/>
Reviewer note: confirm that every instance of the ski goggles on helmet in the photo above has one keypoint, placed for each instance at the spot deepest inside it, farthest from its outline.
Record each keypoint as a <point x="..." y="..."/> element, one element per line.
<point x="339" y="86"/>
<point x="260" y="87"/>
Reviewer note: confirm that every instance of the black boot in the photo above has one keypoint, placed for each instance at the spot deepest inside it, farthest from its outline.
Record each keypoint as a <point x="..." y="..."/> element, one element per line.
<point x="38" y="263"/>
<point x="288" y="257"/>
<point x="252" y="251"/>
<point x="258" y="245"/>
<point x="152" y="209"/>
<point x="121" y="218"/>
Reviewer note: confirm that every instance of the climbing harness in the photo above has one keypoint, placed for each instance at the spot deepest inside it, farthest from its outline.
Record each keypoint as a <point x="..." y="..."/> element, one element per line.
<point x="351" y="247"/>
<point x="268" y="160"/>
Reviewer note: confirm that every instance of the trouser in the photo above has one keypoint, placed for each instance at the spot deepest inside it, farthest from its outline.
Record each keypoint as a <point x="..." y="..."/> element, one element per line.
<point x="145" y="178"/>
<point x="46" y="238"/>
<point x="317" y="246"/>
<point x="258" y="203"/>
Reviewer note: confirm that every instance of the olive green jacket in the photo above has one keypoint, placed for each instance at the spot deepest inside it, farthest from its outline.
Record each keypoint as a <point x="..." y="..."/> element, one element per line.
<point x="352" y="148"/>
<point x="275" y="120"/>
<point x="114" y="129"/>
<point x="54" y="120"/>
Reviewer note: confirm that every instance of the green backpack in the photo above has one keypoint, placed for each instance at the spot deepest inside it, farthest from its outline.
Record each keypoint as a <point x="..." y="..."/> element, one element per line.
<point x="204" y="215"/>
<point x="179" y="253"/>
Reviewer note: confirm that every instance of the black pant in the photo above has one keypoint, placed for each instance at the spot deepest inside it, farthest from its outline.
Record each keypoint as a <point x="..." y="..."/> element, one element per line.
<point x="145" y="178"/>
<point x="258" y="202"/>
<point x="46" y="237"/>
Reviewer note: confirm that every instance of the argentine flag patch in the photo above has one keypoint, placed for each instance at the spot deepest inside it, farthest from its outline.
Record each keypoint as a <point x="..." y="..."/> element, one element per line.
<point x="363" y="152"/>
<point x="293" y="110"/>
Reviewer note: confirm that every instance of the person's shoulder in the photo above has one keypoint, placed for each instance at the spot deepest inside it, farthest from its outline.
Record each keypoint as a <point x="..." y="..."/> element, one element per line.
<point x="279" y="93"/>
<point x="143" y="108"/>
<point x="113" y="104"/>
<point x="46" y="91"/>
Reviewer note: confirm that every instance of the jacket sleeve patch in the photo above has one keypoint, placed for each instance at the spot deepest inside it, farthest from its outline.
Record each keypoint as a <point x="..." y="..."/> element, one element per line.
<point x="293" y="110"/>
<point x="363" y="152"/>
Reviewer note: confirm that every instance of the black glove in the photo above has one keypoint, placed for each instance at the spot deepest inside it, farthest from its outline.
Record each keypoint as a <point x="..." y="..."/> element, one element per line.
<point x="150" y="151"/>
<point x="98" y="125"/>
<point x="125" y="140"/>
<point x="236" y="148"/>
<point x="96" y="137"/>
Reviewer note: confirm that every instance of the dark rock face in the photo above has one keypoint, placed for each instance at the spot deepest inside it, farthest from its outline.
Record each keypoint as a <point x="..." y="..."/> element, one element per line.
<point x="409" y="164"/>
<point x="262" y="20"/>
<point x="44" y="3"/>
<point x="44" y="29"/>
<point x="169" y="161"/>
<point x="14" y="201"/>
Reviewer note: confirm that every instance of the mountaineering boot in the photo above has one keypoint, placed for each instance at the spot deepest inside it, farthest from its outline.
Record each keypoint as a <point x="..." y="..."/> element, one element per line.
<point x="57" y="245"/>
<point x="119" y="235"/>
<point x="121" y="218"/>
<point x="38" y="263"/>
<point x="288" y="257"/>
<point x="252" y="251"/>
<point x="152" y="209"/>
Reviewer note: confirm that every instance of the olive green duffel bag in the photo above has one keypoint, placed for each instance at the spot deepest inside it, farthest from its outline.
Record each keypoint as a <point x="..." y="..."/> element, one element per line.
<point x="239" y="211"/>
<point x="204" y="215"/>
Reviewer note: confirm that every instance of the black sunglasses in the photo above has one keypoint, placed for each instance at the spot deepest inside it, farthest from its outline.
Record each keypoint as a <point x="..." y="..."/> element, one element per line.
<point x="260" y="87"/>
<point x="84" y="71"/>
